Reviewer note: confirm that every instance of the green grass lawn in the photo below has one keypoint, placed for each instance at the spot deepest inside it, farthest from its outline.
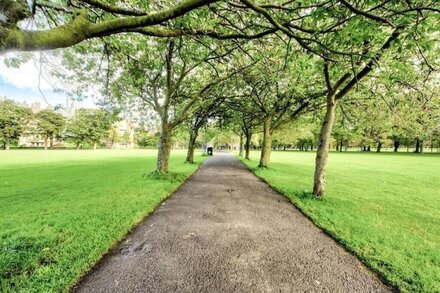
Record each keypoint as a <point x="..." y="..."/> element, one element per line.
<point x="60" y="211"/>
<point x="383" y="207"/>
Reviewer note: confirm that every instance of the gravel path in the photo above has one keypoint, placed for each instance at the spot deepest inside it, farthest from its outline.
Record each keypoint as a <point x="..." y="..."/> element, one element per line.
<point x="225" y="230"/>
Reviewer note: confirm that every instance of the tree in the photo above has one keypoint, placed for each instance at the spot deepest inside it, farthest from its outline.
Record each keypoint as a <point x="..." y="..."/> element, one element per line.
<point x="92" y="125"/>
<point x="167" y="77"/>
<point x="204" y="111"/>
<point x="359" y="39"/>
<point x="248" y="122"/>
<point x="50" y="124"/>
<point x="345" y="83"/>
<point x="146" y="138"/>
<point x="126" y="138"/>
<point x="113" y="136"/>
<point x="344" y="40"/>
<point x="98" y="124"/>
<point x="170" y="83"/>
<point x="79" y="23"/>
<point x="277" y="97"/>
<point x="13" y="119"/>
<point x="77" y="128"/>
<point x="89" y="19"/>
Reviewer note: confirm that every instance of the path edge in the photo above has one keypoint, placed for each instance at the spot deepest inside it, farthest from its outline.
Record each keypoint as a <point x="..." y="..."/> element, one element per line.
<point x="376" y="273"/>
<point x="93" y="265"/>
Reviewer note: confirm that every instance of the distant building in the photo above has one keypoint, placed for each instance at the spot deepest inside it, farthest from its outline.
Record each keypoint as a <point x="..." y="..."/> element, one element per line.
<point x="68" y="110"/>
<point x="36" y="107"/>
<point x="125" y="129"/>
<point x="31" y="137"/>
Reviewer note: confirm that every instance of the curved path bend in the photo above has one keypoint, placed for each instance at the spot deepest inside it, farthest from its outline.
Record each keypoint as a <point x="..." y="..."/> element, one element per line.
<point x="225" y="230"/>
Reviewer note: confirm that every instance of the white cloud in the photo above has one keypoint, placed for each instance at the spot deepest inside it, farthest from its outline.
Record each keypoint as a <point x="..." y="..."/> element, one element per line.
<point x="27" y="76"/>
<point x="30" y="81"/>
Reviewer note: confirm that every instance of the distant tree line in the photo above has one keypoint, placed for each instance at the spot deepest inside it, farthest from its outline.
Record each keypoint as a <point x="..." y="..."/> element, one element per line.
<point x="87" y="126"/>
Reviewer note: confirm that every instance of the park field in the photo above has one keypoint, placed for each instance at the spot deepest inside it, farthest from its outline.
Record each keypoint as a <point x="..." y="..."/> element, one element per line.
<point x="60" y="211"/>
<point x="383" y="207"/>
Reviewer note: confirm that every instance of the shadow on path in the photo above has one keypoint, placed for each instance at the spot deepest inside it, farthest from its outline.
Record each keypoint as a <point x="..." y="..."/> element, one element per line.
<point x="225" y="230"/>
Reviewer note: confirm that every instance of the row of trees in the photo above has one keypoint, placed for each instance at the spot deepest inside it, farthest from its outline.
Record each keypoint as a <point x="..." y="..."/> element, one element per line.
<point x="92" y="126"/>
<point x="371" y="124"/>
<point x="87" y="126"/>
<point x="16" y="121"/>
<point x="268" y="63"/>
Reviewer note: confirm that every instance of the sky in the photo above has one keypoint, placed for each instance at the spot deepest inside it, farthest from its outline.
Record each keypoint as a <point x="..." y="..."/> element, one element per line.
<point x="22" y="84"/>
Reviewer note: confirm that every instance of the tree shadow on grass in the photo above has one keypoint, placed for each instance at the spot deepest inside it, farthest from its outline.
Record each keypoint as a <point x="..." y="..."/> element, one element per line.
<point x="170" y="176"/>
<point x="307" y="195"/>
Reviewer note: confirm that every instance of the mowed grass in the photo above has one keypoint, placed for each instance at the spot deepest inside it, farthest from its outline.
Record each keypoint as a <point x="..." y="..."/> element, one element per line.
<point x="60" y="211"/>
<point x="383" y="207"/>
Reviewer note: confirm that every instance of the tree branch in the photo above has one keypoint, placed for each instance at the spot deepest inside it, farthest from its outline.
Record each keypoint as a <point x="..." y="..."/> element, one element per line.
<point x="113" y="8"/>
<point x="80" y="29"/>
<point x="361" y="74"/>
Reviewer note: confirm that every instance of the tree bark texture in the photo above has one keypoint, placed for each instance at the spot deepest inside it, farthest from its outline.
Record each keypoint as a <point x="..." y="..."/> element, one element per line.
<point x="417" y="150"/>
<point x="323" y="147"/>
<point x="240" y="150"/>
<point x="80" y="28"/>
<point x="247" y="146"/>
<point x="396" y="145"/>
<point x="191" y="146"/>
<point x="267" y="144"/>
<point x="163" y="155"/>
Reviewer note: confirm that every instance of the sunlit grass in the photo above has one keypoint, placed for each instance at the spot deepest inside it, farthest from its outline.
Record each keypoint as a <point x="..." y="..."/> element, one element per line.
<point x="383" y="207"/>
<point x="60" y="211"/>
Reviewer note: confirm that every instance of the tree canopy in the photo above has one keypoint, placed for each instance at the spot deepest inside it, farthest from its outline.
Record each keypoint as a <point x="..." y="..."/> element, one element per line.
<point x="270" y="63"/>
<point x="13" y="119"/>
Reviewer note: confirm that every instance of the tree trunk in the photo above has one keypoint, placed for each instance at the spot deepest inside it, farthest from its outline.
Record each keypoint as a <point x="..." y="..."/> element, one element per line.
<point x="323" y="147"/>
<point x="379" y="146"/>
<point x="77" y="146"/>
<point x="247" y="146"/>
<point x="51" y="141"/>
<point x="45" y="142"/>
<point x="421" y="147"/>
<point x="163" y="155"/>
<point x="267" y="144"/>
<point x="340" y="146"/>
<point x="396" y="145"/>
<point x="417" y="150"/>
<point x="240" y="150"/>
<point x="191" y="146"/>
<point x="6" y="145"/>
<point x="337" y="145"/>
